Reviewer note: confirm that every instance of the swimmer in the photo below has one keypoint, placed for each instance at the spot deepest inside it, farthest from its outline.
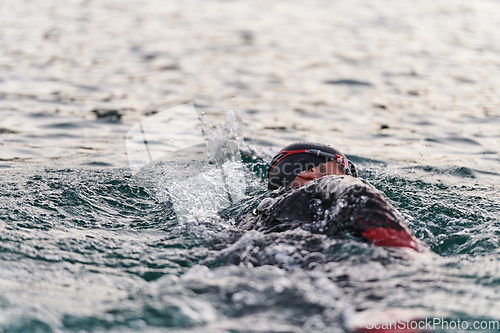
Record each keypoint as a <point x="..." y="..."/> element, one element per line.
<point x="315" y="187"/>
<point x="299" y="163"/>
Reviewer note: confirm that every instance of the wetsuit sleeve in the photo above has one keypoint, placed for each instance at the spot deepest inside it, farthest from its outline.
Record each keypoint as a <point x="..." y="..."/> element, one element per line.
<point x="335" y="205"/>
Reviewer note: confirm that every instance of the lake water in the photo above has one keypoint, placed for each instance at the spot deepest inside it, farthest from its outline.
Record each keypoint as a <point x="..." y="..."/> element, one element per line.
<point x="409" y="91"/>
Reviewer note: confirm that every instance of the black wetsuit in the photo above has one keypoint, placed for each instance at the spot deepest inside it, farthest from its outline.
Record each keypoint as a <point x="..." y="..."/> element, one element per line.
<point x="332" y="205"/>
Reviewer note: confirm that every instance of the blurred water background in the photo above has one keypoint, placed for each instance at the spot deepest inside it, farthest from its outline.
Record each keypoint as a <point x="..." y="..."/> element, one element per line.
<point x="408" y="90"/>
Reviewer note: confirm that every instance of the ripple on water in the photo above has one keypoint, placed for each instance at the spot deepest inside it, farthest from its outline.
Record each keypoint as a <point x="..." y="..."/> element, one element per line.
<point x="103" y="225"/>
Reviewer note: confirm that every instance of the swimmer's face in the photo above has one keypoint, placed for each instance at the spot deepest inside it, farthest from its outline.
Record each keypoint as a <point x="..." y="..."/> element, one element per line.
<point x="330" y="168"/>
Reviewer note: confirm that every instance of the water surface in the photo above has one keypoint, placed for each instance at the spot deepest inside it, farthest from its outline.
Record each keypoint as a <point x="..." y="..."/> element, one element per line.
<point x="408" y="91"/>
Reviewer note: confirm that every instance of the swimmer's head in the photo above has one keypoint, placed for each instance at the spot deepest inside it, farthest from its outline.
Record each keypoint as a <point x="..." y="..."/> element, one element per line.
<point x="298" y="163"/>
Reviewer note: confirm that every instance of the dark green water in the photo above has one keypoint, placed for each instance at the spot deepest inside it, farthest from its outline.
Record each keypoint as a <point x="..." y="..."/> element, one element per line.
<point x="94" y="249"/>
<point x="409" y="90"/>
